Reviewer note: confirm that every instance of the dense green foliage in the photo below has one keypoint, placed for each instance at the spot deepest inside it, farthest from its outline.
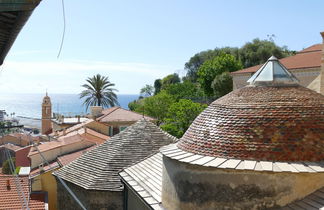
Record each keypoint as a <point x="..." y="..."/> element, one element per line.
<point x="157" y="86"/>
<point x="185" y="90"/>
<point x="216" y="66"/>
<point x="250" y="54"/>
<point x="180" y="116"/>
<point x="222" y="84"/>
<point x="147" y="90"/>
<point x="169" y="80"/>
<point x="156" y="106"/>
<point x="6" y="167"/>
<point x="99" y="92"/>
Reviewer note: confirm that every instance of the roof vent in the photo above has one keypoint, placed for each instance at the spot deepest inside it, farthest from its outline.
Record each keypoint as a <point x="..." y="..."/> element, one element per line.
<point x="273" y="73"/>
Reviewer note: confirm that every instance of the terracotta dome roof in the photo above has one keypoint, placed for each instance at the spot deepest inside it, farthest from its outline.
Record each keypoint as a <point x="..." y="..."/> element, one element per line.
<point x="283" y="123"/>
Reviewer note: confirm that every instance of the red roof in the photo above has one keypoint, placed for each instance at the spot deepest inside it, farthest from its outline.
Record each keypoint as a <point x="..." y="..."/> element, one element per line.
<point x="21" y="157"/>
<point x="307" y="58"/>
<point x="260" y="123"/>
<point x="118" y="114"/>
<point x="10" y="199"/>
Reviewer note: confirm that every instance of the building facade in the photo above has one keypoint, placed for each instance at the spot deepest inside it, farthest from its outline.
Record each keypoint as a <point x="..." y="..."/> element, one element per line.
<point x="46" y="115"/>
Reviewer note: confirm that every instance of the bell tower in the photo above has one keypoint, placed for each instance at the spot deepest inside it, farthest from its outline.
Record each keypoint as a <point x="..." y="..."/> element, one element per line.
<point x="46" y="115"/>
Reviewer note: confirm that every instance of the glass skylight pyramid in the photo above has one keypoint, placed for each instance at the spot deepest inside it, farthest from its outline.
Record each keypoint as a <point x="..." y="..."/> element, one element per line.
<point x="272" y="73"/>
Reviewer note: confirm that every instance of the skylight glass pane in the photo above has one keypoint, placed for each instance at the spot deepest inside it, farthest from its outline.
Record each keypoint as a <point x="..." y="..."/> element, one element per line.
<point x="266" y="74"/>
<point x="279" y="73"/>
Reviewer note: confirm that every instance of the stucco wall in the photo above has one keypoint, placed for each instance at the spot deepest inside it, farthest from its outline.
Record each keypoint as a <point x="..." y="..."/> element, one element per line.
<point x="52" y="154"/>
<point x="99" y="127"/>
<point x="46" y="182"/>
<point x="91" y="199"/>
<point x="305" y="76"/>
<point x="187" y="186"/>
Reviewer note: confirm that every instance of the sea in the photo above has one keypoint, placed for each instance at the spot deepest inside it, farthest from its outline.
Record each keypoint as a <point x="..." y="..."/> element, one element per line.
<point x="27" y="107"/>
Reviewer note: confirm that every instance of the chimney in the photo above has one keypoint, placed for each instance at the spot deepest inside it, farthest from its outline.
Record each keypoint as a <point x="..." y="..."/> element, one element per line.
<point x="85" y="129"/>
<point x="78" y="118"/>
<point x="8" y="184"/>
<point x="95" y="111"/>
<point x="322" y="67"/>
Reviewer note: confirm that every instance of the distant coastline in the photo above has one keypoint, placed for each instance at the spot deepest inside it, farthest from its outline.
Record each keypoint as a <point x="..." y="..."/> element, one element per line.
<point x="27" y="107"/>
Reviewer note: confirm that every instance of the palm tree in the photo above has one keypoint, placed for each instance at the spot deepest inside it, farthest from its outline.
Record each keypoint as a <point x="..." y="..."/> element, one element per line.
<point x="99" y="92"/>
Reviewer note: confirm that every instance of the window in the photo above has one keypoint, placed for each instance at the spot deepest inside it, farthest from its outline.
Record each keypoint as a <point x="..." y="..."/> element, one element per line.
<point x="121" y="128"/>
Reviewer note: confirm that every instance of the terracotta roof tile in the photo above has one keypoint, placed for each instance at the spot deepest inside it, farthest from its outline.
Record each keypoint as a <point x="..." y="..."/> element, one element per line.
<point x="118" y="114"/>
<point x="260" y="123"/>
<point x="9" y="198"/>
<point x="307" y="58"/>
<point x="22" y="157"/>
<point x="61" y="141"/>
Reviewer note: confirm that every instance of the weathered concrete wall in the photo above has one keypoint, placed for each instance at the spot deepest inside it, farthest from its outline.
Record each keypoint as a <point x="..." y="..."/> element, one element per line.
<point x="91" y="199"/>
<point x="187" y="186"/>
<point x="134" y="202"/>
<point x="305" y="76"/>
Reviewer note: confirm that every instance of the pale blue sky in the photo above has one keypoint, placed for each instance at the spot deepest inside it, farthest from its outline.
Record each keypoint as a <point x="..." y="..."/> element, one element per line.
<point x="135" y="42"/>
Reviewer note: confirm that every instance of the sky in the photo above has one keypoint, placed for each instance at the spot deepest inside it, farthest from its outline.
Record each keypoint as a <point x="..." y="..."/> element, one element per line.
<point x="136" y="42"/>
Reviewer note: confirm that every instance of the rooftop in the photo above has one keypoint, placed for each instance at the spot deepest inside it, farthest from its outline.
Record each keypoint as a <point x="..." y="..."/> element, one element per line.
<point x="118" y="114"/>
<point x="9" y="198"/>
<point x="62" y="141"/>
<point x="145" y="178"/>
<point x="273" y="119"/>
<point x="307" y="58"/>
<point x="13" y="16"/>
<point x="66" y="159"/>
<point x="98" y="169"/>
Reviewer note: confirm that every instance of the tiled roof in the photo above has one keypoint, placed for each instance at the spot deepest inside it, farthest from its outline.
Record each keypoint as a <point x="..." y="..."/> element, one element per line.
<point x="62" y="141"/>
<point x="37" y="171"/>
<point x="145" y="178"/>
<point x="11" y="147"/>
<point x="260" y="123"/>
<point x="22" y="157"/>
<point x="307" y="58"/>
<point x="314" y="201"/>
<point x="66" y="159"/>
<point x="118" y="114"/>
<point x="73" y="128"/>
<point x="173" y="152"/>
<point x="98" y="169"/>
<point x="9" y="198"/>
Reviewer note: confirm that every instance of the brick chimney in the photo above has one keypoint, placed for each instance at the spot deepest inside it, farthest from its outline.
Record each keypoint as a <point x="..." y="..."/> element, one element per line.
<point x="8" y="184"/>
<point x="322" y="67"/>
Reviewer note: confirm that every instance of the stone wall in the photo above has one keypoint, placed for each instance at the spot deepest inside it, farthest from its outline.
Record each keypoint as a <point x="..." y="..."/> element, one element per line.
<point x="91" y="199"/>
<point x="187" y="186"/>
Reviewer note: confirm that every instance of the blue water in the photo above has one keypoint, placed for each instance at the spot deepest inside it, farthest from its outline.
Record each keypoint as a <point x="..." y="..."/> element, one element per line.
<point x="29" y="105"/>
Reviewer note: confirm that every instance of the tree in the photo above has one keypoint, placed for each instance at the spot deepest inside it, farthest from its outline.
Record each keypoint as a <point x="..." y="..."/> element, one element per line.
<point x="99" y="92"/>
<point x="147" y="90"/>
<point x="185" y="90"/>
<point x="222" y="84"/>
<point x="198" y="59"/>
<point x="157" y="86"/>
<point x="211" y="68"/>
<point x="6" y="167"/>
<point x="156" y="106"/>
<point x="259" y="51"/>
<point x="170" y="79"/>
<point x="180" y="116"/>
